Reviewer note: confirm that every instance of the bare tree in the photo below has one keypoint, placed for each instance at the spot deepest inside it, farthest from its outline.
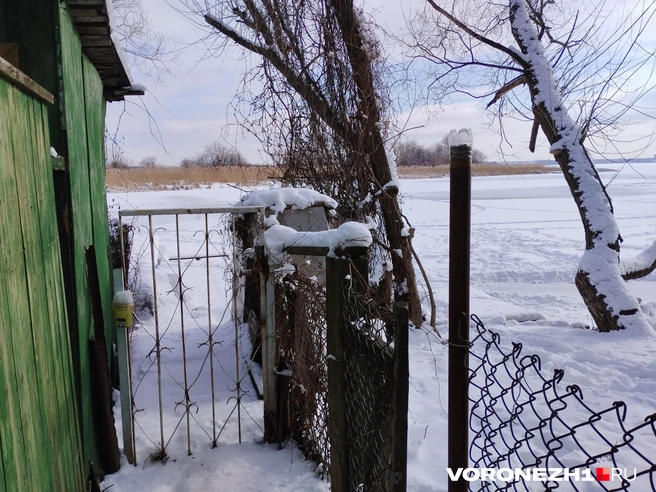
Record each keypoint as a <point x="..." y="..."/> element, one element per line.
<point x="478" y="156"/>
<point x="149" y="51"/>
<point x="322" y="110"/>
<point x="411" y="153"/>
<point x="216" y="154"/>
<point x="517" y="46"/>
<point x="149" y="161"/>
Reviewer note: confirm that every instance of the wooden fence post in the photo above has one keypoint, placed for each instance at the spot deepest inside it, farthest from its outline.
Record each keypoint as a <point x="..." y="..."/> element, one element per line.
<point x="459" y="246"/>
<point x="336" y="271"/>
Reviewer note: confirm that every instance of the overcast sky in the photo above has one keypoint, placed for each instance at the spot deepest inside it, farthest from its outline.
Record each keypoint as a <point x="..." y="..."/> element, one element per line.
<point x="190" y="108"/>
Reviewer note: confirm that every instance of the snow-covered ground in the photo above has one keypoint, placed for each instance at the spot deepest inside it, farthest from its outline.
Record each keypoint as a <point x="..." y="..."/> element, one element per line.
<point x="526" y="242"/>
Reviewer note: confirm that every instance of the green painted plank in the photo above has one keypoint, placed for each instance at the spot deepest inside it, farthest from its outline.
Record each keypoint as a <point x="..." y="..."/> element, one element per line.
<point x="95" y="120"/>
<point x="35" y="318"/>
<point x="61" y="408"/>
<point x="57" y="411"/>
<point x="80" y="215"/>
<point x="14" y="277"/>
<point x="57" y="307"/>
<point x="11" y="430"/>
<point x="38" y="294"/>
<point x="40" y="289"/>
<point x="29" y="417"/>
<point x="3" y="483"/>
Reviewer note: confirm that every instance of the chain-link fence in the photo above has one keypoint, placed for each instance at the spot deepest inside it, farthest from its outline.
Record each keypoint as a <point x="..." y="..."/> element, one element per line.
<point x="342" y="375"/>
<point x="522" y="418"/>
<point x="369" y="392"/>
<point x="301" y="341"/>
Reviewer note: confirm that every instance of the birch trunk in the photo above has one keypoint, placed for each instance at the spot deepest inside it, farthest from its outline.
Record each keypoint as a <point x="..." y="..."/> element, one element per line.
<point x="599" y="278"/>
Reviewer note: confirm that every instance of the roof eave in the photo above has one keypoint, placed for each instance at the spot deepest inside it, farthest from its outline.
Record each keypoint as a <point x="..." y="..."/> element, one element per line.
<point x="92" y="22"/>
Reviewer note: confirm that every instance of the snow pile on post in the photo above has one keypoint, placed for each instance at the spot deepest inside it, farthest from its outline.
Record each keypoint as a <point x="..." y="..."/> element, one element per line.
<point x="460" y="137"/>
<point x="123" y="297"/>
<point x="278" y="199"/>
<point x="350" y="234"/>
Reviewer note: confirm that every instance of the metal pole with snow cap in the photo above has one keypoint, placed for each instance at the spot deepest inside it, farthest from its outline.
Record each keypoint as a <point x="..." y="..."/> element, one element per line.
<point x="122" y="308"/>
<point x="460" y="144"/>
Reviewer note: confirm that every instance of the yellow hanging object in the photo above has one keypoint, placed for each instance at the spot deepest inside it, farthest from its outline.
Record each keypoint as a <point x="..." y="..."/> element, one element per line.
<point x="123" y="307"/>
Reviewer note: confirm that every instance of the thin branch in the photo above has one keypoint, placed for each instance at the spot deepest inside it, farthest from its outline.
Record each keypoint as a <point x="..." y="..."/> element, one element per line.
<point x="639" y="266"/>
<point x="513" y="84"/>
<point x="504" y="49"/>
<point x="314" y="100"/>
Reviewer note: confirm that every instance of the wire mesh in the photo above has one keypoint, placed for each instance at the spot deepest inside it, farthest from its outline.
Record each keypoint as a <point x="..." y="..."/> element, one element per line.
<point x="301" y="341"/>
<point x="522" y="417"/>
<point x="369" y="370"/>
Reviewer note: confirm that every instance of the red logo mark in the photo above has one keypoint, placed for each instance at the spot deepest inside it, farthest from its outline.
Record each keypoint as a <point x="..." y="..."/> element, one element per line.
<point x="603" y="474"/>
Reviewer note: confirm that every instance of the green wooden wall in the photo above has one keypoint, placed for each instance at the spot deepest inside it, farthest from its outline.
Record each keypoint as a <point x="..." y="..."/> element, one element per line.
<point x="51" y="54"/>
<point x="40" y="447"/>
<point x="83" y="107"/>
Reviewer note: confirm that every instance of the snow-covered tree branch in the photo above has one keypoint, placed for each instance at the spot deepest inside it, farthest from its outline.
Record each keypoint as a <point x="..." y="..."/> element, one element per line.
<point x="601" y="276"/>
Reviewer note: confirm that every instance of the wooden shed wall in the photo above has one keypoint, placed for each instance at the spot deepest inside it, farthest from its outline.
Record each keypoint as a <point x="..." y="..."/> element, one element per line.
<point x="84" y="115"/>
<point x="40" y="446"/>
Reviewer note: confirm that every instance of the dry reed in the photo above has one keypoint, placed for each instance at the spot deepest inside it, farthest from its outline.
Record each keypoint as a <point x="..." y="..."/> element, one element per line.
<point x="159" y="178"/>
<point x="477" y="170"/>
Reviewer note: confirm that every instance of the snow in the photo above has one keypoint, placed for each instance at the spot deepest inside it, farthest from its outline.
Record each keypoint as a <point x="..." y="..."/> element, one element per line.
<point x="350" y="234"/>
<point x="138" y="87"/>
<point x="526" y="244"/>
<point x="118" y="46"/>
<point x="639" y="262"/>
<point x="391" y="162"/>
<point x="123" y="297"/>
<point x="460" y="137"/>
<point x="278" y="199"/>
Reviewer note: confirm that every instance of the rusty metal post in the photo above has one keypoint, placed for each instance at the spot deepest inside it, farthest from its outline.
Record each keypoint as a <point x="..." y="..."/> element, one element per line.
<point x="459" y="245"/>
<point x="399" y="482"/>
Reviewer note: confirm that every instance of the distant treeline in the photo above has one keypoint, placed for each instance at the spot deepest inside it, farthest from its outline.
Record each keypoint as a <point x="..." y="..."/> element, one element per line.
<point x="411" y="153"/>
<point x="216" y="154"/>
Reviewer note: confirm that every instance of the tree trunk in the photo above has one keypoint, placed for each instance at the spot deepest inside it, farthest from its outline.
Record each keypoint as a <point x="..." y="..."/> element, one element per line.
<point x="361" y="131"/>
<point x="598" y="278"/>
<point x="405" y="283"/>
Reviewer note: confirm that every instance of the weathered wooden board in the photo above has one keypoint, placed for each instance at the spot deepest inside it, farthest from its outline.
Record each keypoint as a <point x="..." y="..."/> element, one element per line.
<point x="39" y="444"/>
<point x="80" y="217"/>
<point x="36" y="292"/>
<point x="61" y="400"/>
<point x="31" y="416"/>
<point x="52" y="271"/>
<point x="95" y="121"/>
<point x="16" y="474"/>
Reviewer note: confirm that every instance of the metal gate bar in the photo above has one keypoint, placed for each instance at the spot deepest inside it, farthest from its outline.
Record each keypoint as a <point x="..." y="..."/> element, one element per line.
<point x="188" y="381"/>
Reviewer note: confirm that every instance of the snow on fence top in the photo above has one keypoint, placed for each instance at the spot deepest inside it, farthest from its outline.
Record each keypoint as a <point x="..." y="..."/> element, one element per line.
<point x="460" y="137"/>
<point x="350" y="234"/>
<point x="278" y="199"/>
